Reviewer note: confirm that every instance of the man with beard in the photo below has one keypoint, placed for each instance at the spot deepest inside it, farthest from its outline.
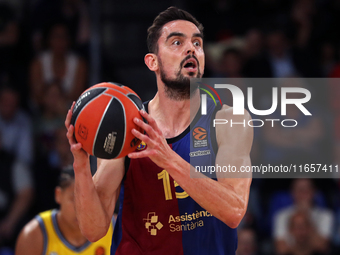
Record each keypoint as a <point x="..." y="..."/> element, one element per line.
<point x="163" y="210"/>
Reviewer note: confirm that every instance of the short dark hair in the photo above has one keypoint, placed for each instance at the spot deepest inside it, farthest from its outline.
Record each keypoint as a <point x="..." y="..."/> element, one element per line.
<point x="170" y="14"/>
<point x="66" y="177"/>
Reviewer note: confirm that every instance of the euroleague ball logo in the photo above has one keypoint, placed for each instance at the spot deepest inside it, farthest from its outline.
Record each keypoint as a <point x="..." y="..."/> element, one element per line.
<point x="199" y="133"/>
<point x="83" y="131"/>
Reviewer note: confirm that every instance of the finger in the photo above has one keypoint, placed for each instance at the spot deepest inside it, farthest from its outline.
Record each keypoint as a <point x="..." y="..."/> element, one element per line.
<point x="68" y="119"/>
<point x="69" y="116"/>
<point x="70" y="135"/>
<point x="141" y="154"/>
<point x="76" y="147"/>
<point x="78" y="152"/>
<point x="142" y="137"/>
<point x="151" y="121"/>
<point x="148" y="129"/>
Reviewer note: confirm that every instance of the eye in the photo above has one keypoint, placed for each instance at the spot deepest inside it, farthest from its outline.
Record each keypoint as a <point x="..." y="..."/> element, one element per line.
<point x="197" y="43"/>
<point x="176" y="42"/>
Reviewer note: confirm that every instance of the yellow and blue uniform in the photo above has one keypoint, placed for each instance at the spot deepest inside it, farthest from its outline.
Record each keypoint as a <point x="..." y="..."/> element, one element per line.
<point x="56" y="244"/>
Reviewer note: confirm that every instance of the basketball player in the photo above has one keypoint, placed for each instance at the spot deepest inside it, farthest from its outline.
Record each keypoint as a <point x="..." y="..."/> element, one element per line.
<point x="56" y="232"/>
<point x="163" y="210"/>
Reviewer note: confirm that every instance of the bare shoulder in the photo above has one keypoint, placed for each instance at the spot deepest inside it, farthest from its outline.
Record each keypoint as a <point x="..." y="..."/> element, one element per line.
<point x="30" y="240"/>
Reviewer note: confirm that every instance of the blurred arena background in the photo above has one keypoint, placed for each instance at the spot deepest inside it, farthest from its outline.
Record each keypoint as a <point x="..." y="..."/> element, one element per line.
<point x="51" y="50"/>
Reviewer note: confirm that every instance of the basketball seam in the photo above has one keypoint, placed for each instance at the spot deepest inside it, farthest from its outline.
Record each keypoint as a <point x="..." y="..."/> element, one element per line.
<point x="84" y="106"/>
<point x="121" y="148"/>
<point x="134" y="101"/>
<point x="129" y="93"/>
<point x="100" y="123"/>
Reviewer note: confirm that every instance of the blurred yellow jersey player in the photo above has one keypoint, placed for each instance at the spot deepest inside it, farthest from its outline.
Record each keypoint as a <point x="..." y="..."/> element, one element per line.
<point x="56" y="232"/>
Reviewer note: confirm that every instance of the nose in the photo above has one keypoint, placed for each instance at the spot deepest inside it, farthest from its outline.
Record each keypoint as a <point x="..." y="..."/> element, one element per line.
<point x="190" y="50"/>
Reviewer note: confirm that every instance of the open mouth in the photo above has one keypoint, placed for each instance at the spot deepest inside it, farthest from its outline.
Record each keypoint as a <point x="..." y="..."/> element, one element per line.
<point x="190" y="65"/>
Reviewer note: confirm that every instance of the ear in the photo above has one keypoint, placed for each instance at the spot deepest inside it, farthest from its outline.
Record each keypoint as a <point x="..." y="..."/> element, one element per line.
<point x="151" y="61"/>
<point x="57" y="195"/>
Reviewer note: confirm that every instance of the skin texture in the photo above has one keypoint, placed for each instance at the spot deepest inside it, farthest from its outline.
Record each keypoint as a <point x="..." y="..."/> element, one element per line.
<point x="30" y="240"/>
<point x="226" y="199"/>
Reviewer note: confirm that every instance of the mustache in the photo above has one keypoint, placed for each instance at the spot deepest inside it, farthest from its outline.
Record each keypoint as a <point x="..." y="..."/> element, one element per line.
<point x="188" y="57"/>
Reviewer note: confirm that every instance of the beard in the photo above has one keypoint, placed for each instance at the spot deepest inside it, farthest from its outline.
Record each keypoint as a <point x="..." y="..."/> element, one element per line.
<point x="179" y="88"/>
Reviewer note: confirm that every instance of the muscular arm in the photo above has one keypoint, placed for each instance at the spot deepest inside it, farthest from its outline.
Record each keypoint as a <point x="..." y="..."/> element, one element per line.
<point x="30" y="240"/>
<point x="227" y="198"/>
<point x="95" y="198"/>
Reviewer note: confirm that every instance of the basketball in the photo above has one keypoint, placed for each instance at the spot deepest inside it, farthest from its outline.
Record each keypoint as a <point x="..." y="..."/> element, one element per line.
<point x="103" y="119"/>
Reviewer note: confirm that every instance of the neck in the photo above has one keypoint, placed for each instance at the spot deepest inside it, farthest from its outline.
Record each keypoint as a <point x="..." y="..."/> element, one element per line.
<point x="173" y="116"/>
<point x="71" y="233"/>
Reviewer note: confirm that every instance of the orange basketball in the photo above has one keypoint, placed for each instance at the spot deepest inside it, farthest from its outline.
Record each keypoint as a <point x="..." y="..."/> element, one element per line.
<point x="103" y="120"/>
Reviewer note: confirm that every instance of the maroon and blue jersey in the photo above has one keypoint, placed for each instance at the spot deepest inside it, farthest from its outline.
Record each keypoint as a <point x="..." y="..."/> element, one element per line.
<point x="156" y="216"/>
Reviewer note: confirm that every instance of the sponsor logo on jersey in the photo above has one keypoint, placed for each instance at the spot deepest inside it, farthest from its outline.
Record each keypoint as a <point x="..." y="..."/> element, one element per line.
<point x="199" y="153"/>
<point x="152" y="224"/>
<point x="141" y="146"/>
<point x="188" y="221"/>
<point x="199" y="135"/>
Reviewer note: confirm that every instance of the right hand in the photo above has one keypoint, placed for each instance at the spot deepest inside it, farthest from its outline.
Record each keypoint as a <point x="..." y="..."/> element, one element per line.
<point x="81" y="157"/>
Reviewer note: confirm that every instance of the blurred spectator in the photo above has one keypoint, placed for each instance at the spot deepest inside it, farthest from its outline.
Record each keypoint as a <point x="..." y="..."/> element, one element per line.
<point x="305" y="238"/>
<point x="303" y="193"/>
<point x="281" y="60"/>
<point x="282" y="144"/>
<point x="61" y="156"/>
<point x="51" y="118"/>
<point x="15" y="126"/>
<point x="16" y="194"/>
<point x="74" y="13"/>
<point x="231" y="64"/>
<point x="253" y="44"/>
<point x="48" y="167"/>
<point x="12" y="51"/>
<point x="302" y="15"/>
<point x="9" y="29"/>
<point x="327" y="59"/>
<point x="247" y="244"/>
<point x="58" y="65"/>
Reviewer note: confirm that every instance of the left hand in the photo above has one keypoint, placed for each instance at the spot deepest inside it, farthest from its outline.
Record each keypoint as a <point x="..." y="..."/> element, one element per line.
<point x="157" y="149"/>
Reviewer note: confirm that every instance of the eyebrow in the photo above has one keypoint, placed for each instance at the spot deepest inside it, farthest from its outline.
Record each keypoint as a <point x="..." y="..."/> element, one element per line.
<point x="174" y="34"/>
<point x="198" y="35"/>
<point x="183" y="35"/>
